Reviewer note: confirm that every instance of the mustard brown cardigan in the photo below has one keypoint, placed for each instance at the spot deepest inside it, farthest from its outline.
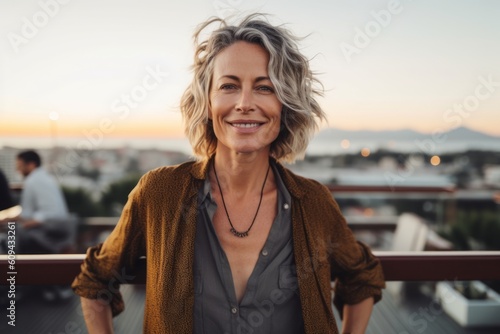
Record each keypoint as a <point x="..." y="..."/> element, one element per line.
<point x="159" y="222"/>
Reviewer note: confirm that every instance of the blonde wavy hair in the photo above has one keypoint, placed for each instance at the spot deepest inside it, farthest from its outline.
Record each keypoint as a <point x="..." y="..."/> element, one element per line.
<point x="294" y="83"/>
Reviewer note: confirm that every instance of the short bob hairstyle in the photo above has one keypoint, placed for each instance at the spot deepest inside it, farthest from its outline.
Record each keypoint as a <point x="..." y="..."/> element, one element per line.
<point x="288" y="70"/>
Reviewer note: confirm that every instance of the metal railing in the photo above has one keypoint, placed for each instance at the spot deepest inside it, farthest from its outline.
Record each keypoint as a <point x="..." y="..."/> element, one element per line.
<point x="397" y="266"/>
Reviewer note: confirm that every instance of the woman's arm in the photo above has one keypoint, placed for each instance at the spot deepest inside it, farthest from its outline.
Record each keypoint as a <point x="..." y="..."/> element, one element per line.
<point x="358" y="274"/>
<point x="356" y="317"/>
<point x="97" y="316"/>
<point x="105" y="267"/>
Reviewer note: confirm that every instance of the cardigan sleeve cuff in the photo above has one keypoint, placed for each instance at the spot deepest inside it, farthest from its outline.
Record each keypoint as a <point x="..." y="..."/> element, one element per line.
<point x="344" y="296"/>
<point x="95" y="281"/>
<point x="106" y="295"/>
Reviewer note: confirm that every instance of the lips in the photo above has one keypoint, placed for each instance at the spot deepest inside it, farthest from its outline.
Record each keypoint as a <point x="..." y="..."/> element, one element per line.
<point x="245" y="125"/>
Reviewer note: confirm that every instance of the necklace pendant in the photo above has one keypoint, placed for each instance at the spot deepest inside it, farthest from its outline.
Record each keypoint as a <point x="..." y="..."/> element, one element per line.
<point x="233" y="230"/>
<point x="239" y="234"/>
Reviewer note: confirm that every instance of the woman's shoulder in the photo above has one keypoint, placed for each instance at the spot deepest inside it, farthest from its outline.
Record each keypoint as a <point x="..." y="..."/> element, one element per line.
<point x="181" y="168"/>
<point x="169" y="174"/>
<point x="166" y="180"/>
<point x="301" y="185"/>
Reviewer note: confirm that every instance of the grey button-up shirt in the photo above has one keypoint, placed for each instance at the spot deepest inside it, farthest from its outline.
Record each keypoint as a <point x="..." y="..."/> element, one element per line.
<point x="271" y="301"/>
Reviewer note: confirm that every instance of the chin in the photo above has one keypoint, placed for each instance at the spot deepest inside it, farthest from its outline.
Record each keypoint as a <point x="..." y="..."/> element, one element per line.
<point x="247" y="149"/>
<point x="247" y="146"/>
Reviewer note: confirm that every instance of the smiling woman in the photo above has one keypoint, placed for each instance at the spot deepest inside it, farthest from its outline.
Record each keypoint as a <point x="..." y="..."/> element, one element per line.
<point x="244" y="110"/>
<point x="286" y="72"/>
<point x="235" y="242"/>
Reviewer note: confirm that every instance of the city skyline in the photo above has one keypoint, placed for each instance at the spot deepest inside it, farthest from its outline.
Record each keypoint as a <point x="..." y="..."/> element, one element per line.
<point x="70" y="69"/>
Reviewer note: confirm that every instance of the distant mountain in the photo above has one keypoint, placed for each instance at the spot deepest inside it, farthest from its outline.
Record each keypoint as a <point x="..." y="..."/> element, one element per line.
<point x="460" y="134"/>
<point x="404" y="140"/>
<point x="464" y="133"/>
<point x="355" y="135"/>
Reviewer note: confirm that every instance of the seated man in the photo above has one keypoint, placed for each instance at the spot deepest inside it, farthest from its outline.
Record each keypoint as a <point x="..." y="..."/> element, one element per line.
<point x="44" y="222"/>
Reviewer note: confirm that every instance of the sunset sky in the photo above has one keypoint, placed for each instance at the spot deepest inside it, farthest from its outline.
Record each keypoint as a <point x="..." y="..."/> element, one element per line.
<point x="66" y="69"/>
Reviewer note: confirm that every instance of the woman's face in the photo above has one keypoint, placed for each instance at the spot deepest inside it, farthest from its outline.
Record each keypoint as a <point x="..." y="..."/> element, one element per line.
<point x="243" y="105"/>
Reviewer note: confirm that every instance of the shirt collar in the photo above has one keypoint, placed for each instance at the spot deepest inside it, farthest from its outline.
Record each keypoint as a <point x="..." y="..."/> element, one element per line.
<point x="34" y="172"/>
<point x="206" y="193"/>
<point x="200" y="170"/>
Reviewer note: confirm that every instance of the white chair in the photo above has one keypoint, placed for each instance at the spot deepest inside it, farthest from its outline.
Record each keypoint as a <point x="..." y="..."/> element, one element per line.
<point x="411" y="233"/>
<point x="410" y="236"/>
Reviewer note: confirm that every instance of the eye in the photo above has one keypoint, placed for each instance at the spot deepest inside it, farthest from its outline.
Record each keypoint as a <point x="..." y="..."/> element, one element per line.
<point x="227" y="87"/>
<point x="265" y="89"/>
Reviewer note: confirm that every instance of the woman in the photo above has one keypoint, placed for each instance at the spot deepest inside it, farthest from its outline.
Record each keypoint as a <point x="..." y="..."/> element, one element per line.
<point x="235" y="242"/>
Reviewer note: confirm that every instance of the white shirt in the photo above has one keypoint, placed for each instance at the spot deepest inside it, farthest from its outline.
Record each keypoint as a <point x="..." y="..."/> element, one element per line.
<point x="41" y="198"/>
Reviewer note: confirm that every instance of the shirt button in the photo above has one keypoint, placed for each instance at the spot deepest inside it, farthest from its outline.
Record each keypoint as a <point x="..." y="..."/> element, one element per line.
<point x="265" y="252"/>
<point x="286" y="206"/>
<point x="234" y="310"/>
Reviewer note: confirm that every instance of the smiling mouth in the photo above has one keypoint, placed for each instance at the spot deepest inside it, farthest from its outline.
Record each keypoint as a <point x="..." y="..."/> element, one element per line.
<point x="245" y="125"/>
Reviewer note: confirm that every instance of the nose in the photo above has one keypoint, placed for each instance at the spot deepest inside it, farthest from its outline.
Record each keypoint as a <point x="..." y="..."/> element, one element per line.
<point x="245" y="101"/>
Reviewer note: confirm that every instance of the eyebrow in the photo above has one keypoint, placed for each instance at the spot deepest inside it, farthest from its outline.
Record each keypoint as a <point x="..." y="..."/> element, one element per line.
<point x="235" y="78"/>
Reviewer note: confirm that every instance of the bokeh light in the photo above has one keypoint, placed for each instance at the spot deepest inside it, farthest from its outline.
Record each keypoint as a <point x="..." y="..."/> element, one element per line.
<point x="435" y="160"/>
<point x="345" y="144"/>
<point x="365" y="152"/>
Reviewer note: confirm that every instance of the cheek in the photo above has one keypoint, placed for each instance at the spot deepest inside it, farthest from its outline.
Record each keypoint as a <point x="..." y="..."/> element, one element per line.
<point x="276" y="129"/>
<point x="216" y="106"/>
<point x="278" y="115"/>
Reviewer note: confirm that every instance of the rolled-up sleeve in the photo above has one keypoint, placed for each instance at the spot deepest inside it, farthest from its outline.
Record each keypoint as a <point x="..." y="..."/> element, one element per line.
<point x="361" y="279"/>
<point x="111" y="263"/>
<point x="357" y="272"/>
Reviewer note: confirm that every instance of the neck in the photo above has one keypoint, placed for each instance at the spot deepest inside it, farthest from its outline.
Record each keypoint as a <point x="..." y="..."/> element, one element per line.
<point x="242" y="174"/>
<point x="30" y="170"/>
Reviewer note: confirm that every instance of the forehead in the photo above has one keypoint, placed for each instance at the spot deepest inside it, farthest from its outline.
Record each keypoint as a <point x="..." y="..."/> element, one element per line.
<point x="241" y="58"/>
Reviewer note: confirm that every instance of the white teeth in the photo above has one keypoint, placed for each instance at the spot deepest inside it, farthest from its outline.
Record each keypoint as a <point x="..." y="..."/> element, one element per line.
<point x="246" y="125"/>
